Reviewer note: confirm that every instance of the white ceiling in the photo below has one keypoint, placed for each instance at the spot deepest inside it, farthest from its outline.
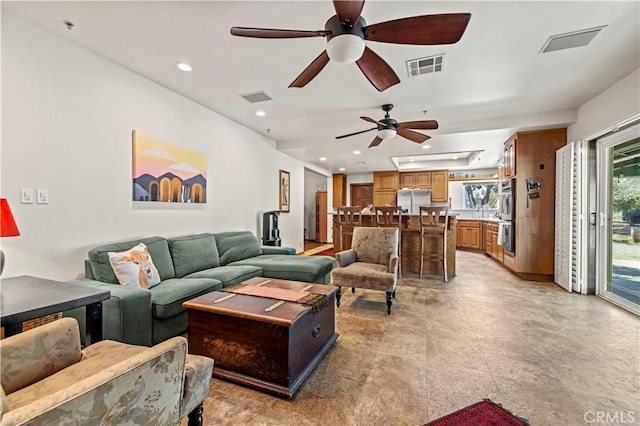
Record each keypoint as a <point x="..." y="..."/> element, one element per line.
<point x="495" y="80"/>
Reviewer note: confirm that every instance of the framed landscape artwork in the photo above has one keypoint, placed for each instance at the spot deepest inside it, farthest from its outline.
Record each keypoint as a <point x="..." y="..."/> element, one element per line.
<point x="166" y="173"/>
<point x="285" y="191"/>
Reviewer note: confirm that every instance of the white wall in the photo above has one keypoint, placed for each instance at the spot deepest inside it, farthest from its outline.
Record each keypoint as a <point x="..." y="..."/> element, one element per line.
<point x="615" y="104"/>
<point x="67" y="117"/>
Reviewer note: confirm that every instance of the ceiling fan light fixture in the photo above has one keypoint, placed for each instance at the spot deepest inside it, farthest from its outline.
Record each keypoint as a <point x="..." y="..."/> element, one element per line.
<point x="386" y="133"/>
<point x="345" y="48"/>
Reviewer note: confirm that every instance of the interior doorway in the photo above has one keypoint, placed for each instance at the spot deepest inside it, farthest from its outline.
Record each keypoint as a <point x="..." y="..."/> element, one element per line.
<point x="618" y="218"/>
<point x="361" y="194"/>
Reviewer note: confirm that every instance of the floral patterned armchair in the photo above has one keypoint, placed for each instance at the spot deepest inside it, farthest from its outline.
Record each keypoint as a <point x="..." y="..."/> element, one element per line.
<point x="48" y="380"/>
<point x="372" y="263"/>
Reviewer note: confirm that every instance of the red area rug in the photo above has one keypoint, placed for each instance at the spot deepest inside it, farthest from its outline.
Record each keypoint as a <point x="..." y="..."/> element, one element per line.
<point x="483" y="413"/>
<point x="327" y="252"/>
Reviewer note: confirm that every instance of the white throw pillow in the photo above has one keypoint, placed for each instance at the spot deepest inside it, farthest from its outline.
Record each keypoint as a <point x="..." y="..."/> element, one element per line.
<point x="134" y="267"/>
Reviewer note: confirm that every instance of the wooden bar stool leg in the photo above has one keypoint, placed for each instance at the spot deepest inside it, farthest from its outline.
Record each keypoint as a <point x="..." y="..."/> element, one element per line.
<point x="399" y="252"/>
<point x="421" y="252"/>
<point x="444" y="255"/>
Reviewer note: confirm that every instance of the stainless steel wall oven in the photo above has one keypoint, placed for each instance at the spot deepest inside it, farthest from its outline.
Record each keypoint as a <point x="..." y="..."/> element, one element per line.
<point x="507" y="214"/>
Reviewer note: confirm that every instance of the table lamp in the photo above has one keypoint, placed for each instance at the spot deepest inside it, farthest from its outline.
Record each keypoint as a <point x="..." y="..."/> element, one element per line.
<point x="8" y="227"/>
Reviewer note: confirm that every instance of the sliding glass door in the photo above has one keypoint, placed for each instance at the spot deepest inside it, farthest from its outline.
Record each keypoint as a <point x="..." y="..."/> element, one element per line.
<point x="618" y="218"/>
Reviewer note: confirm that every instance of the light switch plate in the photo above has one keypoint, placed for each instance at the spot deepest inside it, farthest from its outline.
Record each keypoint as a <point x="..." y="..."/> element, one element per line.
<point x="43" y="196"/>
<point x="26" y="195"/>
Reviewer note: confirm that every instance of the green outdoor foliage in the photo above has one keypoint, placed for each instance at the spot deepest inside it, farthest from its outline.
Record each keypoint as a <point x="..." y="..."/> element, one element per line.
<point x="626" y="195"/>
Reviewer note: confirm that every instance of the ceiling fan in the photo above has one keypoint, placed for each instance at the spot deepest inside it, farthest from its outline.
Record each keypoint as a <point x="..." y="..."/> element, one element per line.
<point x="347" y="31"/>
<point x="388" y="128"/>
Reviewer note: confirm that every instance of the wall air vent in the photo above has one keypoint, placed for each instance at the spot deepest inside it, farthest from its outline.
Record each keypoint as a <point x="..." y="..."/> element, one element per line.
<point x="416" y="67"/>
<point x="570" y="40"/>
<point x="256" y="97"/>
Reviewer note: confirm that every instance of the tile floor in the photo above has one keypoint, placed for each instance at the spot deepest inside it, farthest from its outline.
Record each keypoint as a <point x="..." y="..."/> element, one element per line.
<point x="553" y="357"/>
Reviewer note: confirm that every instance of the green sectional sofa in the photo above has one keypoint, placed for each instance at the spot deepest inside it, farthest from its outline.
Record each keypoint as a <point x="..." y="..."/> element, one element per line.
<point x="189" y="266"/>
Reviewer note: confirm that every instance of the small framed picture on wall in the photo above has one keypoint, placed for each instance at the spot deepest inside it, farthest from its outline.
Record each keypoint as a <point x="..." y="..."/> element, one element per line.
<point x="285" y="191"/>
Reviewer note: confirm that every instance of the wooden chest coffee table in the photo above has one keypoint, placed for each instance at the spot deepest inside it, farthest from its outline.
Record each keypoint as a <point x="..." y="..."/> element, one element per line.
<point x="264" y="341"/>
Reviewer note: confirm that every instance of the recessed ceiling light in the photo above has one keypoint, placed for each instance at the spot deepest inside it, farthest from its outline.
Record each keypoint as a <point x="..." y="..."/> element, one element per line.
<point x="426" y="146"/>
<point x="342" y="169"/>
<point x="455" y="157"/>
<point x="411" y="160"/>
<point x="357" y="152"/>
<point x="323" y="158"/>
<point x="183" y="66"/>
<point x="261" y="113"/>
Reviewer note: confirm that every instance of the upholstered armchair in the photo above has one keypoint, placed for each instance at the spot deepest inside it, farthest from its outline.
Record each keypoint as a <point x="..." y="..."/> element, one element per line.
<point x="372" y="263"/>
<point x="48" y="380"/>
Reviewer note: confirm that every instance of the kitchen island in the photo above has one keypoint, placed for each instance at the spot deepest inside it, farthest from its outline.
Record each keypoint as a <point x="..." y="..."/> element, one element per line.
<point x="410" y="244"/>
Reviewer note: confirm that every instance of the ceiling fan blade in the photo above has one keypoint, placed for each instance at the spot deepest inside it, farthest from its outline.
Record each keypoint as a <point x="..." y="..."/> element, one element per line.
<point x="274" y="33"/>
<point x="412" y="136"/>
<point x="371" y="120"/>
<point x="446" y="28"/>
<point x="378" y="72"/>
<point x="356" y="133"/>
<point x="311" y="71"/>
<point x="348" y="11"/>
<point x="376" y="142"/>
<point x="422" y="124"/>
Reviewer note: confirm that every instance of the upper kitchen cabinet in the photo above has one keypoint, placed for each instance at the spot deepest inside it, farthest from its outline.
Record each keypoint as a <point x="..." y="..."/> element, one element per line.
<point x="440" y="186"/>
<point x="339" y="190"/>
<point x="412" y="180"/>
<point x="385" y="185"/>
<point x="435" y="180"/>
<point x="509" y="159"/>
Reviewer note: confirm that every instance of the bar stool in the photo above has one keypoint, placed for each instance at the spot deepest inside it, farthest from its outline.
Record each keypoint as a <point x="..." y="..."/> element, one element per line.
<point x="434" y="222"/>
<point x="348" y="218"/>
<point x="391" y="217"/>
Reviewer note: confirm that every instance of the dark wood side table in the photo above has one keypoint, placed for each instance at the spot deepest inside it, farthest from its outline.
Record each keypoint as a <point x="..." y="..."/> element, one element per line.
<point x="25" y="298"/>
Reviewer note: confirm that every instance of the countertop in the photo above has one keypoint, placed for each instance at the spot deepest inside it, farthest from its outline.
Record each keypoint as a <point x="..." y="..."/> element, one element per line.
<point x="480" y="219"/>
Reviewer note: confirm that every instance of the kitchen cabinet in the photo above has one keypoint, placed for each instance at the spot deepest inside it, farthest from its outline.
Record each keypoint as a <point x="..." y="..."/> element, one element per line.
<point x="385" y="185"/>
<point x="321" y="217"/>
<point x="440" y="186"/>
<point x="412" y="180"/>
<point x="339" y="190"/>
<point x="469" y="234"/>
<point x="435" y="180"/>
<point x="493" y="248"/>
<point x="509" y="166"/>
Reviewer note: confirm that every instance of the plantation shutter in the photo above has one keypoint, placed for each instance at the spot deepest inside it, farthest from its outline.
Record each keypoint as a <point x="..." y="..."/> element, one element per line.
<point x="569" y="218"/>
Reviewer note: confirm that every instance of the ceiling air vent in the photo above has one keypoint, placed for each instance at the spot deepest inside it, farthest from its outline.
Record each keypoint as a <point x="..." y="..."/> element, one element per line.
<point x="570" y="40"/>
<point x="416" y="67"/>
<point x="256" y="97"/>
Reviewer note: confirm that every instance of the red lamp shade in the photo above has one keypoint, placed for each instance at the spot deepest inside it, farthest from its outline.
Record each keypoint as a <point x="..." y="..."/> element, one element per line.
<point x="8" y="227"/>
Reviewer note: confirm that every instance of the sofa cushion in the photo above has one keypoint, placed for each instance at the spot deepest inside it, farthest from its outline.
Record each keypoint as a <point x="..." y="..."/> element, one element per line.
<point x="193" y="253"/>
<point x="135" y="267"/>
<point x="297" y="268"/>
<point x="168" y="296"/>
<point x="229" y="275"/>
<point x="234" y="246"/>
<point x="158" y="249"/>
